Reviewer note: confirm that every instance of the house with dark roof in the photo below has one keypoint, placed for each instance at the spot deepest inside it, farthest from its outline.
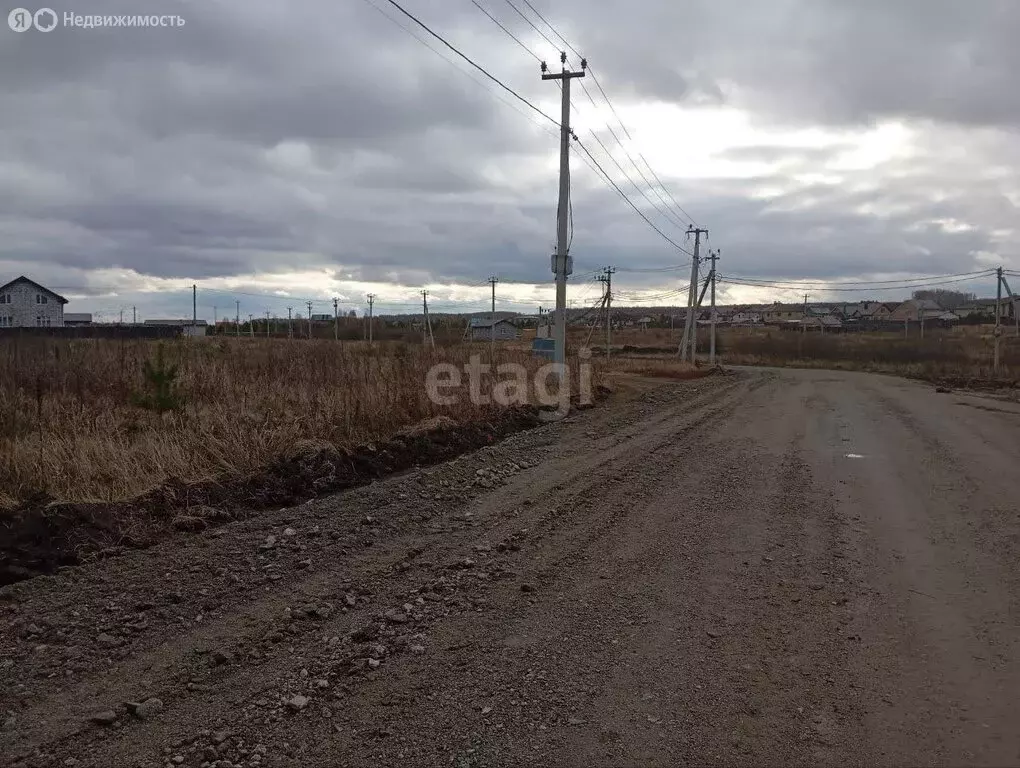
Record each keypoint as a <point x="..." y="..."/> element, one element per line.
<point x="26" y="304"/>
<point x="483" y="329"/>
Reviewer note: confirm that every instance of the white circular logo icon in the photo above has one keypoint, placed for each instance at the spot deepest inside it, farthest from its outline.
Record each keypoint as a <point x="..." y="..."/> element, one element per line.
<point x="45" y="19"/>
<point x="20" y="19"/>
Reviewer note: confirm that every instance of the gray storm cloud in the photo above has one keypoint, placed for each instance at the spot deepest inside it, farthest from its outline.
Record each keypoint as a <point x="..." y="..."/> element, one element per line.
<point x="263" y="137"/>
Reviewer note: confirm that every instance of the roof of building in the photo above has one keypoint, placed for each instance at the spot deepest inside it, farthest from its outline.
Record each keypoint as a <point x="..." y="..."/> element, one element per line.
<point x="486" y="322"/>
<point x="24" y="279"/>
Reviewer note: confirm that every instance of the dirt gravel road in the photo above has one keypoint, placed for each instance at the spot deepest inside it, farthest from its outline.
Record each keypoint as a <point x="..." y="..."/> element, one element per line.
<point x="769" y="567"/>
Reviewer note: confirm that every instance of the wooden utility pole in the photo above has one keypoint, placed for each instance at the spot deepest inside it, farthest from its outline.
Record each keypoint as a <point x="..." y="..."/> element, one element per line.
<point x="336" y="319"/>
<point x="309" y="305"/>
<point x="290" y="322"/>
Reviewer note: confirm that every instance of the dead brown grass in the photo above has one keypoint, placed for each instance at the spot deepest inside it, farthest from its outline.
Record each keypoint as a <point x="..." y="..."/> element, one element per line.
<point x="69" y="426"/>
<point x="958" y="353"/>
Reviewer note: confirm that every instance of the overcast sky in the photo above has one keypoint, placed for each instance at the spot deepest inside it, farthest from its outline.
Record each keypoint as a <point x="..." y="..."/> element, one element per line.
<point x="315" y="149"/>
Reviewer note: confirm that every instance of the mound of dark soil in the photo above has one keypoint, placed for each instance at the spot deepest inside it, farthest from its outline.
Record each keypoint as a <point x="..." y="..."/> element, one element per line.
<point x="42" y="534"/>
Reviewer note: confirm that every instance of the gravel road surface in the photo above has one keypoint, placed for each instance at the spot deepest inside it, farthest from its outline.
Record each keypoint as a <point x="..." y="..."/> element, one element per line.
<point x="779" y="567"/>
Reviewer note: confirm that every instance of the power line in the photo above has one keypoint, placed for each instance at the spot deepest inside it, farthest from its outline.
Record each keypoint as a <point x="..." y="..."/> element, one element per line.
<point x="611" y="107"/>
<point x="512" y="35"/>
<point x="470" y="61"/>
<point x="450" y="61"/>
<point x="631" y="139"/>
<point x="872" y="289"/>
<point x="630" y="202"/>
<point x="804" y="284"/>
<point x="530" y="23"/>
<point x="551" y="27"/>
<point x="634" y="183"/>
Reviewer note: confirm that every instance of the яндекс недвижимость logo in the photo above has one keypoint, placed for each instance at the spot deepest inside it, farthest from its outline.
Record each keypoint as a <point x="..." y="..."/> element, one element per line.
<point x="22" y="19"/>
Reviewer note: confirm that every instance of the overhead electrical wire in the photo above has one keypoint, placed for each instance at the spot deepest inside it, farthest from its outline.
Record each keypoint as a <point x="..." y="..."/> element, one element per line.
<point x="470" y="61"/>
<point x="531" y="24"/>
<point x="872" y="289"/>
<point x="630" y="202"/>
<point x="869" y="282"/>
<point x="612" y="108"/>
<point x="499" y="24"/>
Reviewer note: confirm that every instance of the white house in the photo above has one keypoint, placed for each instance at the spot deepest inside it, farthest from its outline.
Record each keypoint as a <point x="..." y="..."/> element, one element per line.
<point x="26" y="304"/>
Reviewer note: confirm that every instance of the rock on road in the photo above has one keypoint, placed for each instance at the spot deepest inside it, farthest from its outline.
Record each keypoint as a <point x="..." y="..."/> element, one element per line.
<point x="779" y="567"/>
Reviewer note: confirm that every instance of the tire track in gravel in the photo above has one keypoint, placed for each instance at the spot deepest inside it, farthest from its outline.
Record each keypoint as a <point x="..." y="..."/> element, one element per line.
<point x="175" y="659"/>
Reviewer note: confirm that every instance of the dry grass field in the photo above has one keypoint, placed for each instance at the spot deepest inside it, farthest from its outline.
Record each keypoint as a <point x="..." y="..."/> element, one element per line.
<point x="82" y="421"/>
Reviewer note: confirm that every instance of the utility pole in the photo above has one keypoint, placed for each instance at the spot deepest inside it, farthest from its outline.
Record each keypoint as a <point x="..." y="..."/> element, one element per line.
<point x="215" y="318"/>
<point x="251" y="325"/>
<point x="309" y="305"/>
<point x="290" y="323"/>
<point x="134" y="315"/>
<point x="336" y="319"/>
<point x="606" y="278"/>
<point x="121" y="316"/>
<point x="998" y="318"/>
<point x="371" y="299"/>
<point x="714" y="256"/>
<point x="427" y="335"/>
<point x="267" y="323"/>
<point x="690" y="327"/>
<point x="194" y="307"/>
<point x="492" y="318"/>
<point x="237" y="320"/>
<point x="561" y="261"/>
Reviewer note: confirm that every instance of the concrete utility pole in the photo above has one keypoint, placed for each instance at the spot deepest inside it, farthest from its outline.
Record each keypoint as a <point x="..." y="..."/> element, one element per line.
<point x="561" y="261"/>
<point x="371" y="299"/>
<point x="492" y="318"/>
<point x="427" y="329"/>
<point x="290" y="323"/>
<point x="714" y="256"/>
<point x="237" y="319"/>
<point x="309" y="305"/>
<point x="336" y="319"/>
<point x="691" y="327"/>
<point x="251" y="325"/>
<point x="606" y="278"/>
<point x="998" y="318"/>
